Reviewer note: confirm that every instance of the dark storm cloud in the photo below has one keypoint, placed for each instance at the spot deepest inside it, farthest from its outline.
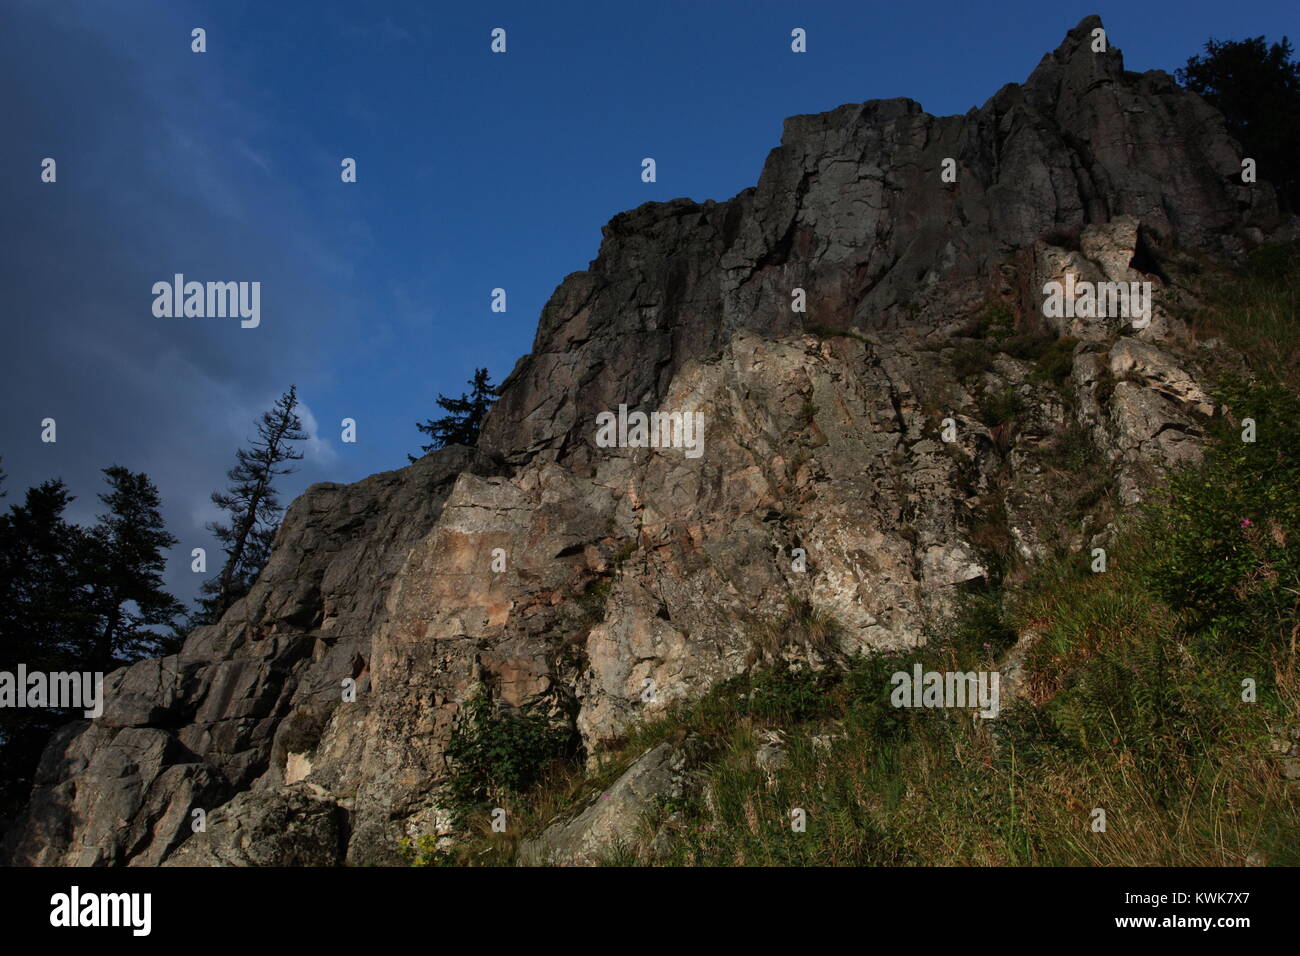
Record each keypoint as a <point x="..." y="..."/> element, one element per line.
<point x="160" y="171"/>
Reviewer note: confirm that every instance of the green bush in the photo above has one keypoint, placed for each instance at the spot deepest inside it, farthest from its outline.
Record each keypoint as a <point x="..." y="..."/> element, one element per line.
<point x="970" y="358"/>
<point x="1029" y="346"/>
<point x="996" y="321"/>
<point x="784" y="696"/>
<point x="864" y="696"/>
<point x="1072" y="449"/>
<point x="1000" y="407"/>
<point x="422" y="851"/>
<point x="1230" y="527"/>
<point x="496" y="752"/>
<point x="1056" y="361"/>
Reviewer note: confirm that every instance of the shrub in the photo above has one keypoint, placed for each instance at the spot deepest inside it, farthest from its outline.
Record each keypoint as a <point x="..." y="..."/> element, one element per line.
<point x="589" y="606"/>
<point x="1230" y="528"/>
<point x="1000" y="407"/>
<point x="981" y="630"/>
<point x="991" y="537"/>
<point x="494" y="752"/>
<point x="784" y="696"/>
<point x="803" y="626"/>
<point x="996" y="320"/>
<point x="1072" y="449"/>
<point x="422" y="851"/>
<point x="1029" y="346"/>
<point x="970" y="358"/>
<point x="1056" y="361"/>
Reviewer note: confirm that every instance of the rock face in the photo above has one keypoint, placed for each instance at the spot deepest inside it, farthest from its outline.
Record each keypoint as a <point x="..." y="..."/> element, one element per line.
<point x="610" y="823"/>
<point x="630" y="568"/>
<point x="244" y="697"/>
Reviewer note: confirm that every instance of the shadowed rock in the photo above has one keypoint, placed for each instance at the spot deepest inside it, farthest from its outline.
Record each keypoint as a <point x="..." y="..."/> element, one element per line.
<point x="635" y="568"/>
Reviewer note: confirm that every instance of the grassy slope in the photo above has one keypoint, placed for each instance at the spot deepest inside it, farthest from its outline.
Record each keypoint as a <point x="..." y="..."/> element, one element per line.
<point x="1134" y="697"/>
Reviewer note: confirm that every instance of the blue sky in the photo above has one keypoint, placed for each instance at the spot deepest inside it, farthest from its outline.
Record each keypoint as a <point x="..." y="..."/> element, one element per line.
<point x="475" y="171"/>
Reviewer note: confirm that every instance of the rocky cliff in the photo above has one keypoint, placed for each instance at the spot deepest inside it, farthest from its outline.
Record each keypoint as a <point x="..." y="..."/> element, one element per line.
<point x="545" y="567"/>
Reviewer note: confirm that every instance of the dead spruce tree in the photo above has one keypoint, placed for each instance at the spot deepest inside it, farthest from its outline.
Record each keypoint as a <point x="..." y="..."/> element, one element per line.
<point x="253" y="505"/>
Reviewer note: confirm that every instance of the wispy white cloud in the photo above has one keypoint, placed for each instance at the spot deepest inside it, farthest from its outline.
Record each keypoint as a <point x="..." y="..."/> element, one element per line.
<point x="317" y="448"/>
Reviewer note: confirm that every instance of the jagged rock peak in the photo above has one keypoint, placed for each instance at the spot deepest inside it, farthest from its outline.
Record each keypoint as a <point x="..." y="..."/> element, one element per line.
<point x="851" y="208"/>
<point x="626" y="568"/>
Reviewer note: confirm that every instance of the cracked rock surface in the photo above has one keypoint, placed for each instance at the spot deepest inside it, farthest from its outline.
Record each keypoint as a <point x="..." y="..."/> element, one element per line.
<point x="633" y="567"/>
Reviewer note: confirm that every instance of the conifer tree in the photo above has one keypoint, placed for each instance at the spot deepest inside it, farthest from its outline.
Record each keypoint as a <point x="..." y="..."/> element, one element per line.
<point x="253" y="506"/>
<point x="1256" y="86"/>
<point x="124" y="562"/>
<point x="43" y="615"/>
<point x="465" y="421"/>
<point x="43" y="622"/>
<point x="73" y="599"/>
